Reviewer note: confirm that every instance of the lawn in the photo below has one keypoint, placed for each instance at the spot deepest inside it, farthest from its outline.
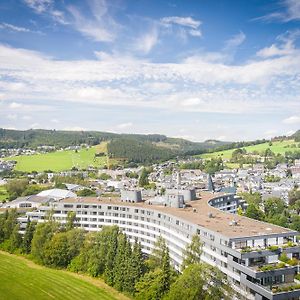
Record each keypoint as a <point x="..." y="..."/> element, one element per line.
<point x="277" y="147"/>
<point x="21" y="279"/>
<point x="60" y="160"/>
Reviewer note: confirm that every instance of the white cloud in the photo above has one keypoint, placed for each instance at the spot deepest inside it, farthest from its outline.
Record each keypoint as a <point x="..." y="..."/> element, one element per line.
<point x="35" y="126"/>
<point x="39" y="6"/>
<point x="183" y="21"/>
<point x="99" y="26"/>
<point x="292" y="120"/>
<point x="192" y="102"/>
<point x="235" y="41"/>
<point x="285" y="46"/>
<point x="125" y="125"/>
<point x="12" y="116"/>
<point x="192" y="85"/>
<point x="74" y="128"/>
<point x="26" y="118"/>
<point x="185" y="26"/>
<point x="195" y="32"/>
<point x="146" y="42"/>
<point x="13" y="27"/>
<point x="15" y="105"/>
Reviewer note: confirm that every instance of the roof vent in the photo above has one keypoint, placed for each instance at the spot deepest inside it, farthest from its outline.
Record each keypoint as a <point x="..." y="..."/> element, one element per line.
<point x="194" y="210"/>
<point x="233" y="223"/>
<point x="210" y="215"/>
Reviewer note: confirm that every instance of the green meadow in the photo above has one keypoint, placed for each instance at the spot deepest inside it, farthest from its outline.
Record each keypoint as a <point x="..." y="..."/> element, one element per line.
<point x="60" y="160"/>
<point x="22" y="279"/>
<point x="277" y="147"/>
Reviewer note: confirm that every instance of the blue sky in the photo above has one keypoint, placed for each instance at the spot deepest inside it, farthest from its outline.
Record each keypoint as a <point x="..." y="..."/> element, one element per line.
<point x="203" y="69"/>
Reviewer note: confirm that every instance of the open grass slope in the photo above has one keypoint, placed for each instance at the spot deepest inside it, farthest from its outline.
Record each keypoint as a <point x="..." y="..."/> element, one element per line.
<point x="21" y="279"/>
<point x="277" y="147"/>
<point x="61" y="160"/>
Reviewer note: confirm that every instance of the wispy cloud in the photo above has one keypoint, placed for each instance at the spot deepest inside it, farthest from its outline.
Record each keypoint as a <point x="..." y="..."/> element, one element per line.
<point x="99" y="25"/>
<point x="147" y="41"/>
<point x="186" y="21"/>
<point x="190" y="25"/>
<point x="285" y="45"/>
<point x="15" y="28"/>
<point x="292" y="120"/>
<point x="235" y="41"/>
<point x="289" y="11"/>
<point x="93" y="22"/>
<point x="39" y="6"/>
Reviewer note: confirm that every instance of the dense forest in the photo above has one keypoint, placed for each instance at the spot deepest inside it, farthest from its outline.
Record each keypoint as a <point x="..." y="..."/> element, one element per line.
<point x="139" y="152"/>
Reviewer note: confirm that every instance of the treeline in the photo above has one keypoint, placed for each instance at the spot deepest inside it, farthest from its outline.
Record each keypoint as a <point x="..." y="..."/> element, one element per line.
<point x="34" y="138"/>
<point x="210" y="166"/>
<point x="274" y="210"/>
<point x="109" y="255"/>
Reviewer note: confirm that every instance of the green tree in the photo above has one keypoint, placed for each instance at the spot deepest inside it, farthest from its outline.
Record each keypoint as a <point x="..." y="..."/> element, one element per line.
<point x="42" y="234"/>
<point x="16" y="187"/>
<point x="138" y="267"/>
<point x="143" y="180"/>
<point x="254" y="198"/>
<point x="120" y="263"/>
<point x="56" y="251"/>
<point x="150" y="286"/>
<point x="166" y="271"/>
<point x="156" y="256"/>
<point x="192" y="253"/>
<point x="273" y="206"/>
<point x="86" y="192"/>
<point x="193" y="284"/>
<point x="71" y="219"/>
<point x="15" y="239"/>
<point x="254" y="212"/>
<point x="28" y="236"/>
<point x="10" y="222"/>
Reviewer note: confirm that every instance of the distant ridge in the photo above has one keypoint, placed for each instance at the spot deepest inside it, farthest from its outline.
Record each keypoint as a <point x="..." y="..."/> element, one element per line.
<point x="140" y="148"/>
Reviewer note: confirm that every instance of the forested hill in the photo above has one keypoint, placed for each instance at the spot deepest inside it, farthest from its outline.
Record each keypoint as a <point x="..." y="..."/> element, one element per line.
<point x="133" y="147"/>
<point x="296" y="136"/>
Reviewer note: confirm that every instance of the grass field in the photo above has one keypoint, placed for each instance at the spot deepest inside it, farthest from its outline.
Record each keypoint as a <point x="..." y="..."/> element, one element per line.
<point x="21" y="279"/>
<point x="61" y="160"/>
<point x="277" y="147"/>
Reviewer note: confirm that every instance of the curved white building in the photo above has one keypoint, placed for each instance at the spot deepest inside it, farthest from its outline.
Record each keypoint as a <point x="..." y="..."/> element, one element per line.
<point x="237" y="245"/>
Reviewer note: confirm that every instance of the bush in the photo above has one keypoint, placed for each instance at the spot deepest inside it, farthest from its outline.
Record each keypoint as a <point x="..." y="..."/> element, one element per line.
<point x="272" y="248"/>
<point x="293" y="262"/>
<point x="283" y="257"/>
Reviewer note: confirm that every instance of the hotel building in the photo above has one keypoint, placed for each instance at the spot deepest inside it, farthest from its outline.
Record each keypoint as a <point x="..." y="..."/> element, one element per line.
<point x="246" y="250"/>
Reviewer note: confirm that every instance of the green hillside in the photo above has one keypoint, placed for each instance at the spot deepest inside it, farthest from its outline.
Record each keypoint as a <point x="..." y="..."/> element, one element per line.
<point x="277" y="147"/>
<point x="21" y="279"/>
<point x="59" y="160"/>
<point x="135" y="148"/>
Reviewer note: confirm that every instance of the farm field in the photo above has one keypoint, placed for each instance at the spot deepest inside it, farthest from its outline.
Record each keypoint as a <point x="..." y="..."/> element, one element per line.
<point x="22" y="279"/>
<point x="277" y="147"/>
<point x="61" y="160"/>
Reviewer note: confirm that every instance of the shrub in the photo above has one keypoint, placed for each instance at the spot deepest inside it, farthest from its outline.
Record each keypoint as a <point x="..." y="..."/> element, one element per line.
<point x="272" y="248"/>
<point x="283" y="257"/>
